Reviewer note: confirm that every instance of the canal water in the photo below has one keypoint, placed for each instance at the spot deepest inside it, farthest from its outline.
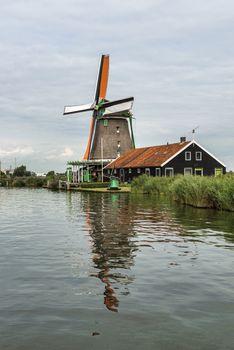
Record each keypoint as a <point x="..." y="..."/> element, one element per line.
<point x="113" y="271"/>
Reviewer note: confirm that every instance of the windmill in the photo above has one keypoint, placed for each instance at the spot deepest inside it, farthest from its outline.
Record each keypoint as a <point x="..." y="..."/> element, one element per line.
<point x="111" y="131"/>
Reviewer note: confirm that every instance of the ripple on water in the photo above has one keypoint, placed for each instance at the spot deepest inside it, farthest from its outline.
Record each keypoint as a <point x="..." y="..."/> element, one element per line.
<point x="130" y="269"/>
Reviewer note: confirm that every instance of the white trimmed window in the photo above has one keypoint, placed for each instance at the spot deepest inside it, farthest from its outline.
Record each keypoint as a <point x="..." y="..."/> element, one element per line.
<point x="129" y="170"/>
<point x="198" y="171"/>
<point x="169" y="171"/>
<point x="147" y="171"/>
<point x="138" y="170"/>
<point x="157" y="171"/>
<point x="188" y="171"/>
<point x="218" y="171"/>
<point x="198" y="155"/>
<point x="188" y="156"/>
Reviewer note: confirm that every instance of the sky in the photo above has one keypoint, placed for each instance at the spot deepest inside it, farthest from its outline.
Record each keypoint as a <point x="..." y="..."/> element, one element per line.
<point x="176" y="57"/>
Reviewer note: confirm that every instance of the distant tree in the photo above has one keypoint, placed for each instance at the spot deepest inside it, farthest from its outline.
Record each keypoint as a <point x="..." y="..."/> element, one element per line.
<point x="21" y="171"/>
<point x="50" y="173"/>
<point x="2" y="174"/>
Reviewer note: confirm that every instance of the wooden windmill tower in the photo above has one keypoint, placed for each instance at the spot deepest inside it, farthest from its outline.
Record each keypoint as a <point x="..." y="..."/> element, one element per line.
<point x="111" y="131"/>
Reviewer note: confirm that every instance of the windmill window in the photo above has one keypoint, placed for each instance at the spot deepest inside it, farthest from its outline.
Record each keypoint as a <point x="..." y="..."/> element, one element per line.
<point x="118" y="144"/>
<point x="105" y="122"/>
<point x="117" y="129"/>
<point x="187" y="155"/>
<point x="198" y="155"/>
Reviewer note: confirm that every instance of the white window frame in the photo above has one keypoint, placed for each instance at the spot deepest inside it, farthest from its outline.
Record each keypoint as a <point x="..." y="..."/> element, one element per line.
<point x="188" y="169"/>
<point x="188" y="156"/>
<point x="198" y="170"/>
<point x="199" y="159"/>
<point x="215" y="173"/>
<point x="169" y="169"/>
<point x="157" y="171"/>
<point x="147" y="171"/>
<point x="138" y="170"/>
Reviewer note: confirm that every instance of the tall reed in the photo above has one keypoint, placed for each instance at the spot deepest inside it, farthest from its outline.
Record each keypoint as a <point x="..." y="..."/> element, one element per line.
<point x="203" y="192"/>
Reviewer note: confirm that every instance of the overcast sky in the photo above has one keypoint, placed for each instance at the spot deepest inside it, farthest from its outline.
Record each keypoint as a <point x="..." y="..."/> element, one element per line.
<point x="176" y="57"/>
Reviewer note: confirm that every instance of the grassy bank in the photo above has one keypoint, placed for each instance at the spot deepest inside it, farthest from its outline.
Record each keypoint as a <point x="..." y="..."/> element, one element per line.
<point x="202" y="192"/>
<point x="22" y="181"/>
<point x="31" y="181"/>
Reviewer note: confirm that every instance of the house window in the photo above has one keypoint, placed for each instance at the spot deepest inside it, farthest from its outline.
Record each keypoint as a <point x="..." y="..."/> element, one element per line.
<point x="117" y="129"/>
<point x="138" y="170"/>
<point x="105" y="122"/>
<point x="198" y="155"/>
<point x="122" y="175"/>
<point x="157" y="171"/>
<point x="218" y="171"/>
<point x="147" y="171"/>
<point x="108" y="171"/>
<point x="129" y="170"/>
<point x="188" y="171"/>
<point x="198" y="171"/>
<point x="169" y="171"/>
<point x="115" y="171"/>
<point x="187" y="155"/>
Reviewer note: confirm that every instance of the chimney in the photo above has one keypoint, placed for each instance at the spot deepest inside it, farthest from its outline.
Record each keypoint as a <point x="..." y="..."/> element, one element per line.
<point x="182" y="139"/>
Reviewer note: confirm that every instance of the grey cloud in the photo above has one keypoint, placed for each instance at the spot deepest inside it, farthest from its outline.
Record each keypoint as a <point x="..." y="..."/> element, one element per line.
<point x="174" y="57"/>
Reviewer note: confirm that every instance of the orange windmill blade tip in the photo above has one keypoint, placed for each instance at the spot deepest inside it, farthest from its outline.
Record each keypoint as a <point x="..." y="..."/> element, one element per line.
<point x="104" y="76"/>
<point x="86" y="155"/>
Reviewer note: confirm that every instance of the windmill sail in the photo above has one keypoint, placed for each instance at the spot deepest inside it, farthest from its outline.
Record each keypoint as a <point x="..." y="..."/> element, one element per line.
<point x="100" y="94"/>
<point x="78" y="109"/>
<point x="118" y="106"/>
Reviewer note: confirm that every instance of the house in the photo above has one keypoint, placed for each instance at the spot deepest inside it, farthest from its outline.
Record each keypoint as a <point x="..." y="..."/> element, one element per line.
<point x="184" y="157"/>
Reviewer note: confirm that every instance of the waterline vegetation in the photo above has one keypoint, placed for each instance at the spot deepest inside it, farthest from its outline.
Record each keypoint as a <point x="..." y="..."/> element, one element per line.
<point x="201" y="192"/>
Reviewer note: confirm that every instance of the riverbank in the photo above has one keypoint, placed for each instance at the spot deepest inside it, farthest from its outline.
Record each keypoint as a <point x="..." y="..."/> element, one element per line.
<point x="103" y="190"/>
<point x="199" y="192"/>
<point x="53" y="183"/>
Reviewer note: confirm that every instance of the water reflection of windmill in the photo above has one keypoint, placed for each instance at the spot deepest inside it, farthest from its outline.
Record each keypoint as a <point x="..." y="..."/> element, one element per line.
<point x="111" y="131"/>
<point x="113" y="249"/>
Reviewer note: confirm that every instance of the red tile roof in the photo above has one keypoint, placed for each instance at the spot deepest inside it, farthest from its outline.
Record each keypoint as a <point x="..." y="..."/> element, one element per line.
<point x="147" y="156"/>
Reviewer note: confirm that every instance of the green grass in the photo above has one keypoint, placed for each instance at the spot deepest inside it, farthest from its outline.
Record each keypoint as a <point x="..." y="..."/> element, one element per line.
<point x="202" y="192"/>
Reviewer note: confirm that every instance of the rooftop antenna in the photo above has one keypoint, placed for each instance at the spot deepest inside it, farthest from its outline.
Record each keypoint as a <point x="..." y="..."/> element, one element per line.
<point x="193" y="131"/>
